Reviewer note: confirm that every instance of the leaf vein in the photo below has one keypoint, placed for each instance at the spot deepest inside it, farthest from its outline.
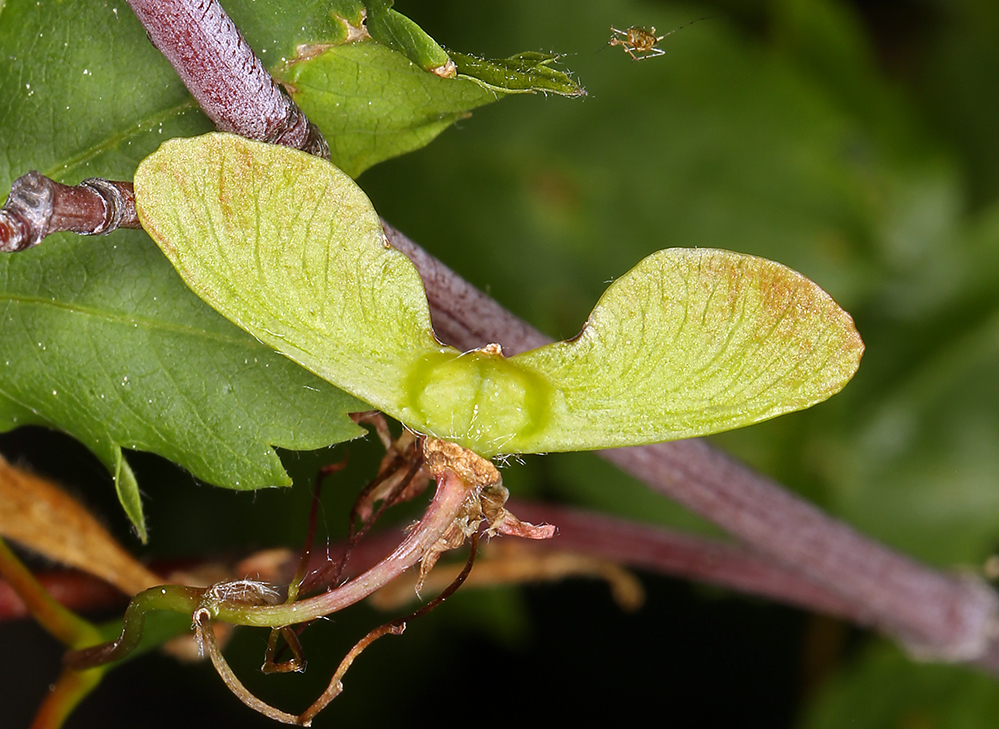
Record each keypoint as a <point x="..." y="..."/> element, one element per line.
<point x="238" y="339"/>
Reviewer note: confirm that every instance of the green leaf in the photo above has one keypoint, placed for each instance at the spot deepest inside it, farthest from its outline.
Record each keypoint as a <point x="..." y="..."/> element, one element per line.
<point x="119" y="354"/>
<point x="523" y="73"/>
<point x="373" y="103"/>
<point x="98" y="336"/>
<point x="13" y="415"/>
<point x="687" y="343"/>
<point x="402" y="35"/>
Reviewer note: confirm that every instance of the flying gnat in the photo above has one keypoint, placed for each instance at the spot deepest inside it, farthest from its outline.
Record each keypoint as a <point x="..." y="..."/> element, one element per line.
<point x="642" y="43"/>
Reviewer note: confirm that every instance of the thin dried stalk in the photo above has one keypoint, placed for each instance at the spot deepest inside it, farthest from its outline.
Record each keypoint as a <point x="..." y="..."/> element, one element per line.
<point x="206" y="639"/>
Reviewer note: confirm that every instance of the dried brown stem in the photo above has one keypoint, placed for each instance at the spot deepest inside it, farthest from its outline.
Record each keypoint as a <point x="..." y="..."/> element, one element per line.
<point x="272" y="655"/>
<point x="206" y="639"/>
<point x="394" y="627"/>
<point x="336" y="683"/>
<point x="38" y="206"/>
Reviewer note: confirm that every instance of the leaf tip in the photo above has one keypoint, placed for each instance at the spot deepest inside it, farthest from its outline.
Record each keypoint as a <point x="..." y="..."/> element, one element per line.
<point x="129" y="496"/>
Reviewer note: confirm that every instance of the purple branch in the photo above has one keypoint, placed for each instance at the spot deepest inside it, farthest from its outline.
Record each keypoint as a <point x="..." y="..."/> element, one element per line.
<point x="224" y="74"/>
<point x="934" y="614"/>
<point x="651" y="548"/>
<point x="591" y="534"/>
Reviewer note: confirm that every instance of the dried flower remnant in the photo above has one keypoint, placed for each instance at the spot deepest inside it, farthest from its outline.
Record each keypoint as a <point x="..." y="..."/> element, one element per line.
<point x="479" y="506"/>
<point x="486" y="505"/>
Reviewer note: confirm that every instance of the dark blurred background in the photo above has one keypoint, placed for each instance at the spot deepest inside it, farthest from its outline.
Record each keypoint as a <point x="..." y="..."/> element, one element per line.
<point x="852" y="141"/>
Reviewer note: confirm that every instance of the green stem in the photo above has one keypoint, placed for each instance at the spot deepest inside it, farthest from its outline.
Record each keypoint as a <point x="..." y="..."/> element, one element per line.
<point x="64" y="625"/>
<point x="172" y="598"/>
<point x="452" y="493"/>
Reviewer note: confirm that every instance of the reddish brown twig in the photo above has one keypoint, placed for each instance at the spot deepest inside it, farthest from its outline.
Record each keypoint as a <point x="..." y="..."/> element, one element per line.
<point x="38" y="206"/>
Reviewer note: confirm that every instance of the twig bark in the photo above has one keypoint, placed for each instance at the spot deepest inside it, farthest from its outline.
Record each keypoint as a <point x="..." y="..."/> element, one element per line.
<point x="38" y="206"/>
<point x="701" y="559"/>
<point x="224" y="75"/>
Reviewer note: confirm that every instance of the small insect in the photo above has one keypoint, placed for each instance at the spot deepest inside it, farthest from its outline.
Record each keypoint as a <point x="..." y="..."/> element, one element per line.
<point x="637" y="40"/>
<point x="642" y="41"/>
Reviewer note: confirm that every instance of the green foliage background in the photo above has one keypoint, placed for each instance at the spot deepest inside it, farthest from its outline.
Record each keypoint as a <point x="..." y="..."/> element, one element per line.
<point x="854" y="142"/>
